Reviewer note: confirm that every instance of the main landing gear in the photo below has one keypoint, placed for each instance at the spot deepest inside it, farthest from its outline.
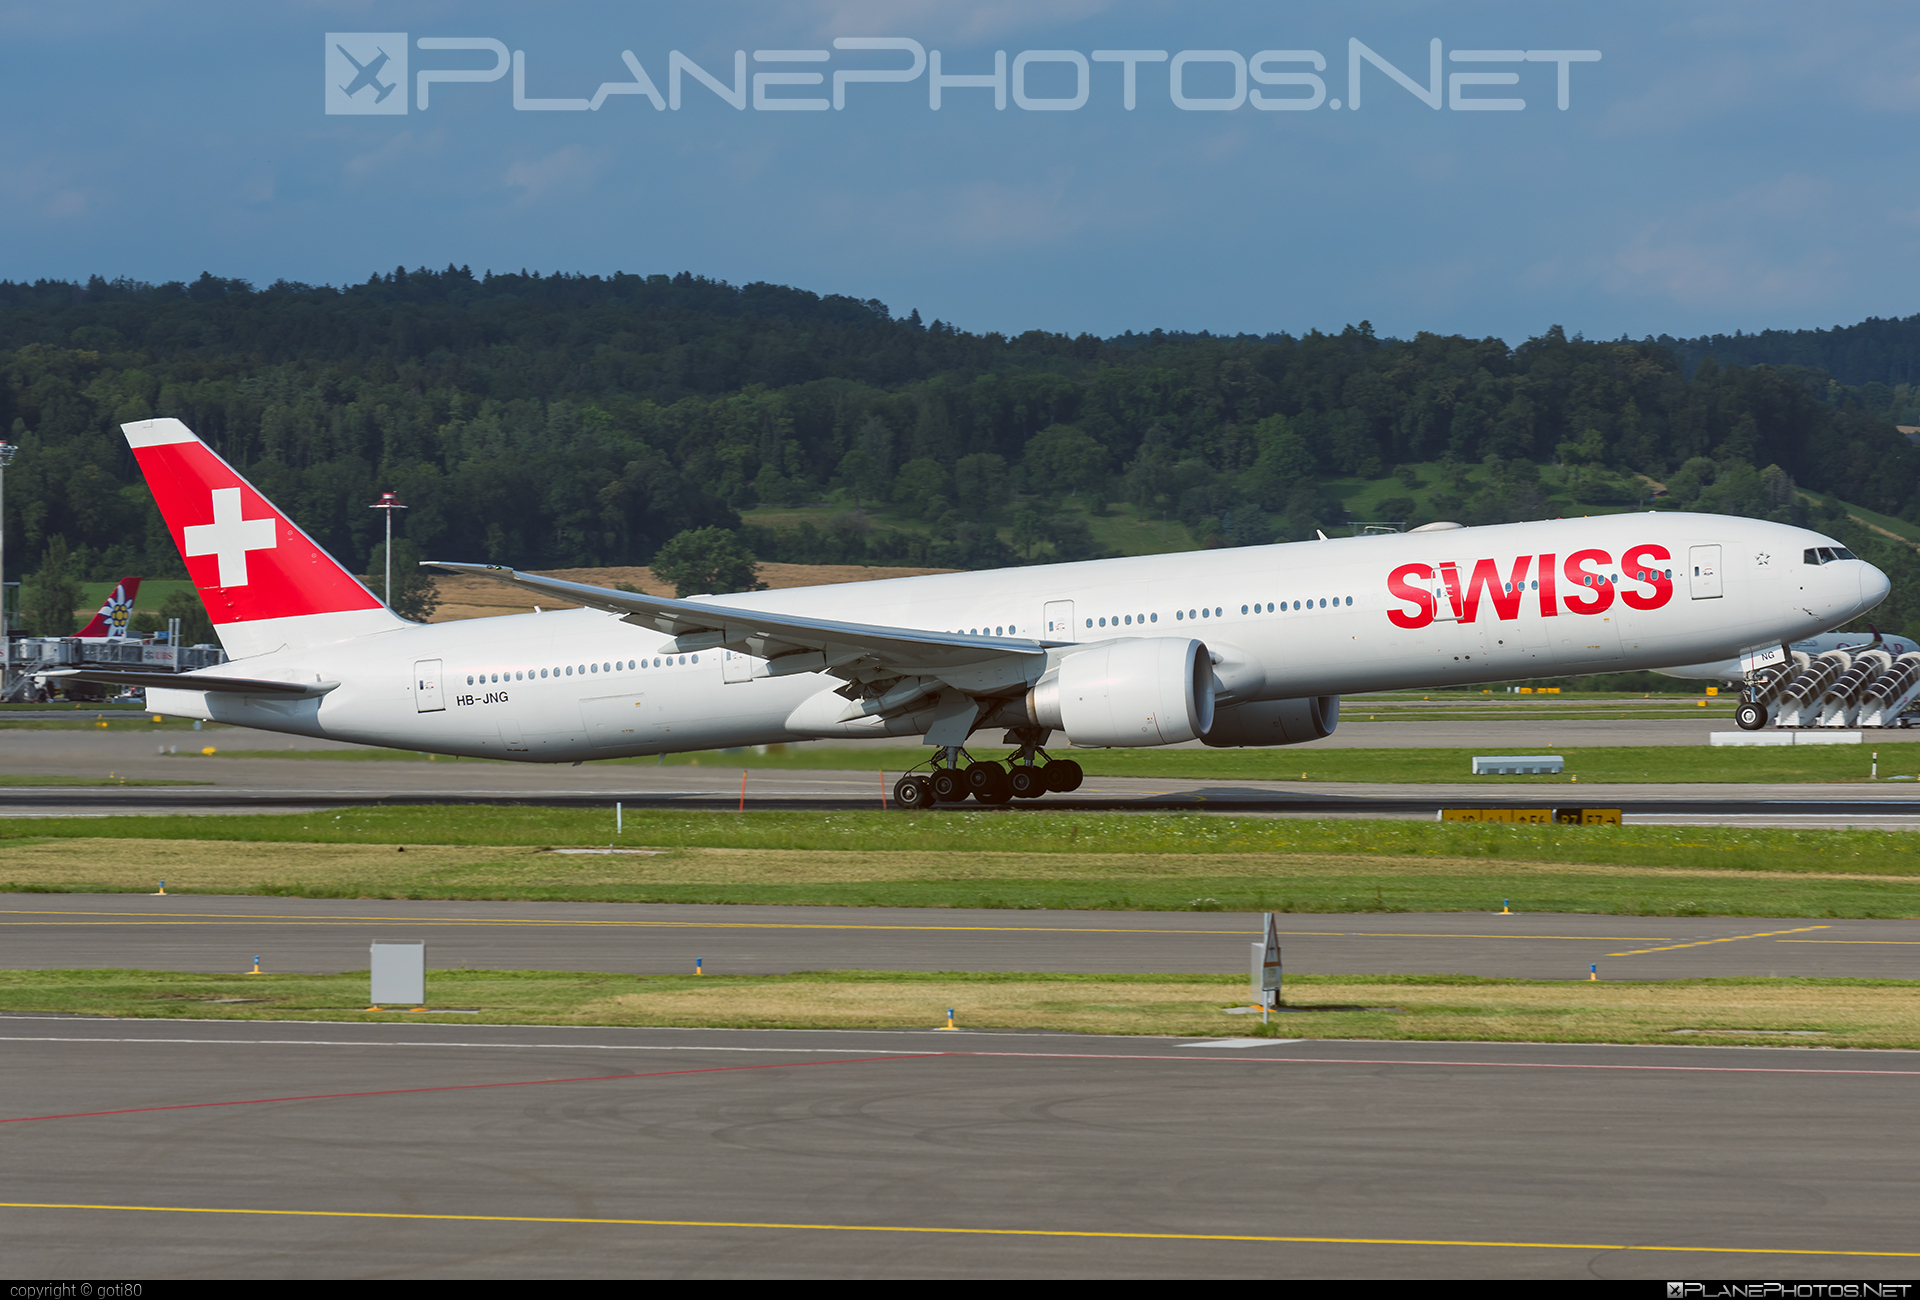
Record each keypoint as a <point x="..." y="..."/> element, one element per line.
<point x="954" y="777"/>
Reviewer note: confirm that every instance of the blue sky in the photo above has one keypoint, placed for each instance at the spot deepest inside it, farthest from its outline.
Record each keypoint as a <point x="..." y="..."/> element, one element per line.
<point x="1723" y="165"/>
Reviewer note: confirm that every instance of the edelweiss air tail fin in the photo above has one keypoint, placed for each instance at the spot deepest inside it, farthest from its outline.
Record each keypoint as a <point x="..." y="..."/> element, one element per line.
<point x="112" y="619"/>
<point x="266" y="584"/>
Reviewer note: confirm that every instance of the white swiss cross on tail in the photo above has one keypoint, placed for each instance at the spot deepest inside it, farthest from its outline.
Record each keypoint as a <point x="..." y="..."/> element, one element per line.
<point x="266" y="584"/>
<point x="229" y="537"/>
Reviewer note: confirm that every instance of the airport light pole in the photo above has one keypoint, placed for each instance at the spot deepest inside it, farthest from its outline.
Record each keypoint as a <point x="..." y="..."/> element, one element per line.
<point x="8" y="451"/>
<point x="388" y="502"/>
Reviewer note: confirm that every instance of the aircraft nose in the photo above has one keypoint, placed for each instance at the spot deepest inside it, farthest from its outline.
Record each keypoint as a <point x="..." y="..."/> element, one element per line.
<point x="1874" y="586"/>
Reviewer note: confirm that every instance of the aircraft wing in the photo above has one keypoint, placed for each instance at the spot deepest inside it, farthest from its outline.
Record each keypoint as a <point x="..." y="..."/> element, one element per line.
<point x="793" y="644"/>
<point x="195" y="682"/>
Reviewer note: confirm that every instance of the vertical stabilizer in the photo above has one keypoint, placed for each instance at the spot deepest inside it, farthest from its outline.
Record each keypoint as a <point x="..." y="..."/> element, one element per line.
<point x="111" y="621"/>
<point x="265" y="583"/>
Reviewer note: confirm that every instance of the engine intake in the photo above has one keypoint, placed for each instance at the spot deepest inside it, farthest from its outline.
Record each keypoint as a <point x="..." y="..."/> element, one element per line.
<point x="1150" y="691"/>
<point x="1275" y="722"/>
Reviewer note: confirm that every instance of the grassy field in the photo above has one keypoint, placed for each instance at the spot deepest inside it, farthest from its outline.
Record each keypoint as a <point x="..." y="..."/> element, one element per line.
<point x="1653" y="764"/>
<point x="97" y="717"/>
<point x="1218" y="865"/>
<point x="1840" y="1013"/>
<point x="153" y="594"/>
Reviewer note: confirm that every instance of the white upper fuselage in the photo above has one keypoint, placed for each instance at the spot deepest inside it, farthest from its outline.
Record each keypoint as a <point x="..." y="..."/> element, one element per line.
<point x="1283" y="622"/>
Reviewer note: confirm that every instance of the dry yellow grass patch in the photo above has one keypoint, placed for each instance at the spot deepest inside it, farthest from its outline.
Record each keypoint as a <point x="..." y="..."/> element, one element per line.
<point x="216" y="865"/>
<point x="1804" y="1015"/>
<point x="1085" y="1007"/>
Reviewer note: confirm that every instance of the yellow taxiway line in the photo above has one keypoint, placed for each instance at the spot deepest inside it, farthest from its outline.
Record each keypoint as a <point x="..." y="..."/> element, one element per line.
<point x="962" y="1232"/>
<point x="1701" y="943"/>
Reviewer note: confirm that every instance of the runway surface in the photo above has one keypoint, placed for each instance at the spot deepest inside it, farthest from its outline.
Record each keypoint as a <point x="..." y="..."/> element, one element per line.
<point x="1780" y="806"/>
<point x="198" y="1149"/>
<point x="216" y="934"/>
<point x="289" y="785"/>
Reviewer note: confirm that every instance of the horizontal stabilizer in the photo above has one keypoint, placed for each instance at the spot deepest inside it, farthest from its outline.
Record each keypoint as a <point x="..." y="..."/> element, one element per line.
<point x="195" y="682"/>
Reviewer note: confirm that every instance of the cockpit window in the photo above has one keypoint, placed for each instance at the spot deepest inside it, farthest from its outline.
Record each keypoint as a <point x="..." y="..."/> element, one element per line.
<point x="1842" y="553"/>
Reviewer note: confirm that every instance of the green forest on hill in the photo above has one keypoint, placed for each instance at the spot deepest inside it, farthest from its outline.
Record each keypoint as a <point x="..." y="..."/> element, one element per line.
<point x="571" y="421"/>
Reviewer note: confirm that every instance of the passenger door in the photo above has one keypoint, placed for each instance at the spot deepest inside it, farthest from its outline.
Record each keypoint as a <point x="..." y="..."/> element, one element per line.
<point x="426" y="687"/>
<point x="1059" y="622"/>
<point x="1704" y="561"/>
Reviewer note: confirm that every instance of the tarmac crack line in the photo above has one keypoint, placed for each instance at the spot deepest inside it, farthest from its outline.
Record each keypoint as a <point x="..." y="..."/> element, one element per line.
<point x="965" y="1232"/>
<point x="906" y="1055"/>
<point x="1903" y="943"/>
<point x="1701" y="943"/>
<point x="1465" y="1065"/>
<point x="458" y="1087"/>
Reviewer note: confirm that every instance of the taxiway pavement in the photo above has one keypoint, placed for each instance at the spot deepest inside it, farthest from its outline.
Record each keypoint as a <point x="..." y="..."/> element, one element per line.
<point x="293" y="784"/>
<point x="210" y="933"/>
<point x="148" y="1150"/>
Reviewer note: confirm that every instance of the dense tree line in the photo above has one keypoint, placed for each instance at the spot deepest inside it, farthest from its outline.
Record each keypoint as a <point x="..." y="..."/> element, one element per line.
<point x="1875" y="351"/>
<point x="558" y="421"/>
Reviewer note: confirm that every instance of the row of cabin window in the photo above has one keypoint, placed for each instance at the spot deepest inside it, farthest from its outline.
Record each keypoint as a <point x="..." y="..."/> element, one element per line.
<point x="1604" y="579"/>
<point x="1218" y="611"/>
<point x="569" y="670"/>
<point x="1589" y="580"/>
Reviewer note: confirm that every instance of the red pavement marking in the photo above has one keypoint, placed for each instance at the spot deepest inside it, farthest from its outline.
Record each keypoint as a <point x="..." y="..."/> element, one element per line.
<point x="458" y="1087"/>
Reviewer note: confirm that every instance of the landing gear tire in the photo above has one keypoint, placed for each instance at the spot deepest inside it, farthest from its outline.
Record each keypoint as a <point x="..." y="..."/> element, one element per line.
<point x="1750" y="717"/>
<point x="912" y="792"/>
<point x="990" y="783"/>
<point x="1063" y="775"/>
<point x="1028" y="782"/>
<point x="949" y="785"/>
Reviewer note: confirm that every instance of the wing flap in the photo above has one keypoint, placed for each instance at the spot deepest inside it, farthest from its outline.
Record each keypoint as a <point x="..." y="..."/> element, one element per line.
<point x="789" y="642"/>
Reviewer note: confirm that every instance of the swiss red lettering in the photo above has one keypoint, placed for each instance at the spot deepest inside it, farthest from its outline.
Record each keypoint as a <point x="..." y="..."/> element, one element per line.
<point x="1644" y="559"/>
<point x="1486" y="575"/>
<point x="1592" y="592"/>
<point x="1587" y="573"/>
<point x="1421" y="598"/>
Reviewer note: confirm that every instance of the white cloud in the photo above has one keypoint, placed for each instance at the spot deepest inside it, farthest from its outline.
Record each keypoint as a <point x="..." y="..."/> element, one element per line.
<point x="986" y="216"/>
<point x="942" y="20"/>
<point x="570" y="167"/>
<point x="400" y="148"/>
<point x="45" y="189"/>
<point x="1772" y="246"/>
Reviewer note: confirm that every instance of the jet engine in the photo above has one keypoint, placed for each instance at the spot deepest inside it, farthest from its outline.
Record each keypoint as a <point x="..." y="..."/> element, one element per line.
<point x="1151" y="691"/>
<point x="1275" y="722"/>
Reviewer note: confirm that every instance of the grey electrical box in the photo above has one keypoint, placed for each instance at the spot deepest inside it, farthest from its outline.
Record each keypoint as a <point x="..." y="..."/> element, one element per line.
<point x="399" y="974"/>
<point x="1519" y="764"/>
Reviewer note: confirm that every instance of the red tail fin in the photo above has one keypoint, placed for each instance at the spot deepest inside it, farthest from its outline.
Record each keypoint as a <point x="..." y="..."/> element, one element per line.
<point x="265" y="583"/>
<point x="113" y="616"/>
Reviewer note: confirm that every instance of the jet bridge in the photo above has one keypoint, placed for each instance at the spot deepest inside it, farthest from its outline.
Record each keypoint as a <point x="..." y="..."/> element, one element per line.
<point x="1863" y="688"/>
<point x="29" y="658"/>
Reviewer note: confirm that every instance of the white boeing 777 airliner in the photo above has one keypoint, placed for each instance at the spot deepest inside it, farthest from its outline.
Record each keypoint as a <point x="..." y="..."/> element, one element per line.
<point x="1250" y="646"/>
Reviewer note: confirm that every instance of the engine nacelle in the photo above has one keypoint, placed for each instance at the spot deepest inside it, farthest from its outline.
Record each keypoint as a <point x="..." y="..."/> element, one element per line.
<point x="1151" y="691"/>
<point x="1275" y="722"/>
